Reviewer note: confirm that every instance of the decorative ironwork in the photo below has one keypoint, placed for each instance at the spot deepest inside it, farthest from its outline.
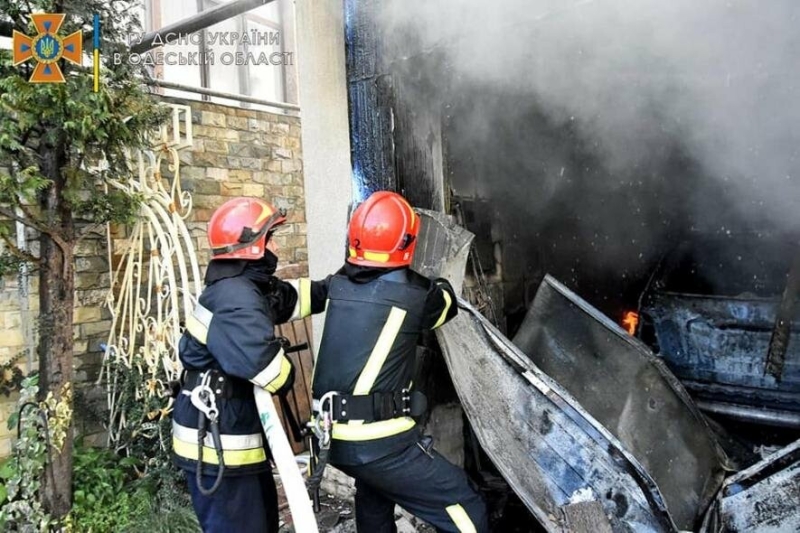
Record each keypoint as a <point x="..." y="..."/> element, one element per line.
<point x="155" y="279"/>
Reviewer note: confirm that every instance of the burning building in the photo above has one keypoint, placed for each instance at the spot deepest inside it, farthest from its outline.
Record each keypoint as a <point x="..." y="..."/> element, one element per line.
<point x="645" y="155"/>
<point x="626" y="150"/>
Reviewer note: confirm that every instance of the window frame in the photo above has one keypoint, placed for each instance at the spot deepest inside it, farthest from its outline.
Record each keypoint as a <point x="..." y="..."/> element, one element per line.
<point x="152" y="10"/>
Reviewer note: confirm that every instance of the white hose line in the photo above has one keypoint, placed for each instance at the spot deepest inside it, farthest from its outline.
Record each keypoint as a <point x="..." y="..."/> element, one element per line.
<point x="293" y="485"/>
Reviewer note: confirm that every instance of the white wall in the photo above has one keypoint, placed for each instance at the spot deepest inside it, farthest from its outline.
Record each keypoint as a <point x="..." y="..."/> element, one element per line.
<point x="325" y="134"/>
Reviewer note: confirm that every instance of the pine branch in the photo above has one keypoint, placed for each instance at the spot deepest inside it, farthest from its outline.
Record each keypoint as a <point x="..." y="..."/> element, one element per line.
<point x="26" y="211"/>
<point x="26" y="220"/>
<point x="30" y="9"/>
<point x="29" y="221"/>
<point x="38" y="129"/>
<point x="19" y="252"/>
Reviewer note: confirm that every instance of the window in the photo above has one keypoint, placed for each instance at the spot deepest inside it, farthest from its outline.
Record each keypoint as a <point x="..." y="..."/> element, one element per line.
<point x="163" y="13"/>
<point x="260" y="65"/>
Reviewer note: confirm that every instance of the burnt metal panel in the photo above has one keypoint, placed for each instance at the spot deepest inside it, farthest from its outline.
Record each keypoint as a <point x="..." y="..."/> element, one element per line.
<point x="719" y="345"/>
<point x="549" y="449"/>
<point x="782" y="330"/>
<point x="630" y="392"/>
<point x="758" y="415"/>
<point x="476" y="215"/>
<point x="442" y="248"/>
<point x="763" y="498"/>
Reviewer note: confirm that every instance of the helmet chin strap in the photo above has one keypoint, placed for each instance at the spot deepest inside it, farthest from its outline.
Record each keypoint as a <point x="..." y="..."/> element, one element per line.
<point x="407" y="240"/>
<point x="248" y="237"/>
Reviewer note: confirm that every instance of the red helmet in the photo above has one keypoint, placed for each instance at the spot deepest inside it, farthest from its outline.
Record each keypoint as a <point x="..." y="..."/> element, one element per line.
<point x="240" y="227"/>
<point x="383" y="232"/>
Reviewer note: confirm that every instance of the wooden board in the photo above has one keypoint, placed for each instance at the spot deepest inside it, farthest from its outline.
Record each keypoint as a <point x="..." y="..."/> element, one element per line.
<point x="298" y="332"/>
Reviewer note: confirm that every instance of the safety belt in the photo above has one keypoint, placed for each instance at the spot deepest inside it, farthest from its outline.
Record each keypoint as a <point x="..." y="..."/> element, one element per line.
<point x="373" y="407"/>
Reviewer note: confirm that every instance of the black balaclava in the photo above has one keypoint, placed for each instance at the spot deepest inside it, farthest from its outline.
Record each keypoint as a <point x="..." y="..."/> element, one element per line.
<point x="281" y="297"/>
<point x="365" y="274"/>
<point x="263" y="270"/>
<point x="259" y="271"/>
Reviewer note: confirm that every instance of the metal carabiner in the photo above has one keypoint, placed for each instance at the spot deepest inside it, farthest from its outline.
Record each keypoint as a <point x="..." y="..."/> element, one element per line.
<point x="322" y="434"/>
<point x="205" y="401"/>
<point x="327" y="398"/>
<point x="324" y="423"/>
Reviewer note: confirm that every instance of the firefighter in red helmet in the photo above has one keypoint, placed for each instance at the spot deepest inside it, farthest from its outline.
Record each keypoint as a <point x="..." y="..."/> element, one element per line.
<point x="383" y="232"/>
<point x="377" y="308"/>
<point x="229" y="345"/>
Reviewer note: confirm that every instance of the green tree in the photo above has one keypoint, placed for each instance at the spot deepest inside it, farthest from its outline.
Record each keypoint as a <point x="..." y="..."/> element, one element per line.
<point x="52" y="137"/>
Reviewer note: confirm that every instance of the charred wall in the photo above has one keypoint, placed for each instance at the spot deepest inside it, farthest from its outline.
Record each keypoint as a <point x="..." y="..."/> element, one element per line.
<point x="396" y="141"/>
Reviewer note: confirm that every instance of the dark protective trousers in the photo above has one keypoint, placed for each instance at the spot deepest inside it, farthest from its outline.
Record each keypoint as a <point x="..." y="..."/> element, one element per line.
<point x="242" y="504"/>
<point x="430" y="488"/>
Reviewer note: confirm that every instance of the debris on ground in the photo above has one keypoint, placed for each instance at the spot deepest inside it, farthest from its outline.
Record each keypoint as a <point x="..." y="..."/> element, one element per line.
<point x="337" y="515"/>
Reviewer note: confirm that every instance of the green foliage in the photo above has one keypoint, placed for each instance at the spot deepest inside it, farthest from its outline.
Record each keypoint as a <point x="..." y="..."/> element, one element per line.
<point x="170" y="509"/>
<point x="155" y="493"/>
<point x="11" y="259"/>
<point x="112" y="492"/>
<point x="101" y="501"/>
<point x="10" y="264"/>
<point x="20" y="475"/>
<point x="65" y="138"/>
<point x="26" y="182"/>
<point x="116" y="207"/>
<point x="110" y="495"/>
<point x="88" y="127"/>
<point x="142" y="403"/>
<point x="169" y="518"/>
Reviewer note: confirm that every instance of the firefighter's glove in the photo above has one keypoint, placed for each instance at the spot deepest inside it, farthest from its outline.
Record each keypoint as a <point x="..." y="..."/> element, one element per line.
<point x="282" y="299"/>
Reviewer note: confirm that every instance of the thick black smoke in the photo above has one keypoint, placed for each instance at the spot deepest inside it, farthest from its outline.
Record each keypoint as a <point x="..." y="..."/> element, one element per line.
<point x="616" y="124"/>
<point x="723" y="77"/>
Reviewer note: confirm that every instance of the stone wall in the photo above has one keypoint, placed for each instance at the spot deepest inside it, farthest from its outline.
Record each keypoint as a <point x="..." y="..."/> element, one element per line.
<point x="236" y="152"/>
<point x="239" y="152"/>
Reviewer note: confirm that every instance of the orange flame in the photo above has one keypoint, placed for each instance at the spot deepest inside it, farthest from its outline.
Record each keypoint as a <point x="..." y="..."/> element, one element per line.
<point x="630" y="321"/>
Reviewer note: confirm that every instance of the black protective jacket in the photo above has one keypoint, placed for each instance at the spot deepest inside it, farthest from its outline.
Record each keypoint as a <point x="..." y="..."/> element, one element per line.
<point x="372" y="325"/>
<point x="232" y="330"/>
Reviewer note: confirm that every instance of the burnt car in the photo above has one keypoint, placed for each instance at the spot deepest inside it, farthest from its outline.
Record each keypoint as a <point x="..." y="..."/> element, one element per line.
<point x="721" y="311"/>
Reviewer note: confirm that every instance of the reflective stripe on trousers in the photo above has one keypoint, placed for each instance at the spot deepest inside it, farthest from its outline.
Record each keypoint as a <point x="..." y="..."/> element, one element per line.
<point x="237" y="450"/>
